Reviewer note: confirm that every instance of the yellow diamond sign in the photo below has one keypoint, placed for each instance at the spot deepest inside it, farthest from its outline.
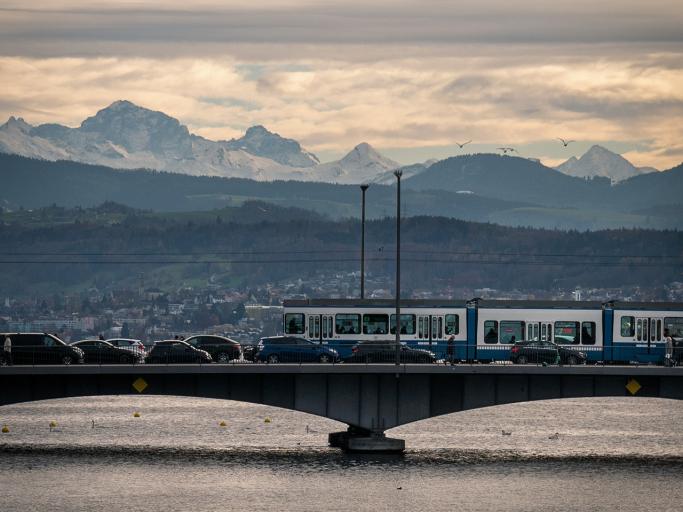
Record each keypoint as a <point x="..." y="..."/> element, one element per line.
<point x="140" y="384"/>
<point x="633" y="386"/>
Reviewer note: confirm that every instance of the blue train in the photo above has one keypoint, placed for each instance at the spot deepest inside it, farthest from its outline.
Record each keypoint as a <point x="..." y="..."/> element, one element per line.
<point x="484" y="330"/>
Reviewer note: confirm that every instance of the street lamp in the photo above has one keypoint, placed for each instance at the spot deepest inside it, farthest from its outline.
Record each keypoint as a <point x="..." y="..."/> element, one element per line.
<point x="363" y="188"/>
<point x="398" y="173"/>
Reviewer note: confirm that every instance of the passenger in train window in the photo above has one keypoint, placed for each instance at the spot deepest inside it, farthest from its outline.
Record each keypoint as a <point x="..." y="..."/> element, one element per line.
<point x="491" y="329"/>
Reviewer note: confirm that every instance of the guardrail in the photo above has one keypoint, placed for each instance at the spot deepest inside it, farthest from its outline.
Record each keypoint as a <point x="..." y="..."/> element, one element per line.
<point x="359" y="354"/>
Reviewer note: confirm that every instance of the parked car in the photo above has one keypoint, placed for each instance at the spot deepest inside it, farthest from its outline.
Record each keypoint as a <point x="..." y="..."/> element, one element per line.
<point x="382" y="351"/>
<point x="538" y="351"/>
<point x="290" y="349"/>
<point x="222" y="349"/>
<point x="98" y="352"/>
<point x="249" y="352"/>
<point x="128" y="344"/>
<point x="176" y="351"/>
<point x="41" y="348"/>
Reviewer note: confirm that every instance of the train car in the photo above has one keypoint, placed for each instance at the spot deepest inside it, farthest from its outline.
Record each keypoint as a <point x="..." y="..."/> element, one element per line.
<point x="485" y="330"/>
<point x="636" y="330"/>
<point x="500" y="323"/>
<point x="439" y="326"/>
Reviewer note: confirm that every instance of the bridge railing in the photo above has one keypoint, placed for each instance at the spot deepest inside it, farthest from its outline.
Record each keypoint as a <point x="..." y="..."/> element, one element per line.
<point x="370" y="354"/>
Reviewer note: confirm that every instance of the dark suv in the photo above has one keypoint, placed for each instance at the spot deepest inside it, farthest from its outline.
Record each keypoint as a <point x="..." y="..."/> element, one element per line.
<point x="176" y="351"/>
<point x="221" y="349"/>
<point x="103" y="352"/>
<point x="382" y="351"/>
<point x="524" y="352"/>
<point x="290" y="349"/>
<point x="41" y="348"/>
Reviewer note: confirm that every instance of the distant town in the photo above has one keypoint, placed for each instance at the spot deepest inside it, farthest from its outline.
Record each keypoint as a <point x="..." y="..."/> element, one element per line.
<point x="151" y="314"/>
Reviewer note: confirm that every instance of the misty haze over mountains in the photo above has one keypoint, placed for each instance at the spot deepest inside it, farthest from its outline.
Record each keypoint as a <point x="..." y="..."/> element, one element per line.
<point x="126" y="136"/>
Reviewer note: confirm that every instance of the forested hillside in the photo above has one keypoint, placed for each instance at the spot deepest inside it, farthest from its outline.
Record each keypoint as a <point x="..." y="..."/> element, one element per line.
<point x="56" y="249"/>
<point x="486" y="188"/>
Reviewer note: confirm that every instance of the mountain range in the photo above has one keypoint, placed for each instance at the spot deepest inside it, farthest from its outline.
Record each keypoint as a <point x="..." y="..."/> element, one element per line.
<point x="483" y="187"/>
<point x="126" y="136"/>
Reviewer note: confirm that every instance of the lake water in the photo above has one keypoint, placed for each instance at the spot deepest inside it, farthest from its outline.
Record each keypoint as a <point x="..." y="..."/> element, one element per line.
<point x="579" y="454"/>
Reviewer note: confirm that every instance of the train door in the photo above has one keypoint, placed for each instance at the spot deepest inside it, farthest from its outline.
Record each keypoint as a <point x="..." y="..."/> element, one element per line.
<point x="539" y="331"/>
<point x="654" y="341"/>
<point x="326" y="329"/>
<point x="648" y="334"/>
<point x="314" y="327"/>
<point x="533" y="331"/>
<point x="436" y="331"/>
<point x="423" y="330"/>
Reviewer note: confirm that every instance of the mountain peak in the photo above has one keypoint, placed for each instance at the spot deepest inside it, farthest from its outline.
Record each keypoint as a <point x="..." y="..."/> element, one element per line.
<point x="600" y="161"/>
<point x="257" y="130"/>
<point x="17" y="123"/>
<point x="364" y="152"/>
<point x="260" y="141"/>
<point x="123" y="104"/>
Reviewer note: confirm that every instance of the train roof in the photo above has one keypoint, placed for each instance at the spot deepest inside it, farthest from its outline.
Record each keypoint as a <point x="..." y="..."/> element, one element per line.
<point x="651" y="306"/>
<point x="378" y="303"/>
<point x="482" y="304"/>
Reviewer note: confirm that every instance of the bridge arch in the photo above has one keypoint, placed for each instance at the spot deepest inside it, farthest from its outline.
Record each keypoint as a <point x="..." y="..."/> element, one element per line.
<point x="369" y="398"/>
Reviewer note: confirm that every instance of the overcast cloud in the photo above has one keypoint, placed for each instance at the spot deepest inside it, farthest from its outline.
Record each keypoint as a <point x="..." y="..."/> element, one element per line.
<point x="408" y="77"/>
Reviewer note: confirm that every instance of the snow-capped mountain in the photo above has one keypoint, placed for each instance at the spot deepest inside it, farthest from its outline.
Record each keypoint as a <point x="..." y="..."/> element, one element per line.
<point x="388" y="178"/>
<point x="126" y="136"/>
<point x="259" y="141"/>
<point x="598" y="161"/>
<point x="361" y="165"/>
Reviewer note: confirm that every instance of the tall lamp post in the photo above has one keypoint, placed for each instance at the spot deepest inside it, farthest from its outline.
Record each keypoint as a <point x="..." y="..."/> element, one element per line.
<point x="363" y="188"/>
<point x="398" y="173"/>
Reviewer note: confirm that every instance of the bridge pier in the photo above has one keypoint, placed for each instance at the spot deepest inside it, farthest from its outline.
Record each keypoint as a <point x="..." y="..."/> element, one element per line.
<point x="359" y="440"/>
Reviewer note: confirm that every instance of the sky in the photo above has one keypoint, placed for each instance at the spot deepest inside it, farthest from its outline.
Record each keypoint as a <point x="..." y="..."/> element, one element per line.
<point x="409" y="77"/>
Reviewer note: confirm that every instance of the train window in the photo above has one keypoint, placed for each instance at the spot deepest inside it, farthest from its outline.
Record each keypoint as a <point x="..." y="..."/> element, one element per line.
<point x="511" y="331"/>
<point x="627" y="326"/>
<point x="452" y="324"/>
<point x="491" y="331"/>
<point x="639" y="329"/>
<point x="423" y="327"/>
<point x="440" y="331"/>
<point x="659" y="330"/>
<point x="330" y="326"/>
<point x="314" y="327"/>
<point x="543" y="331"/>
<point x="324" y="327"/>
<point x="407" y="324"/>
<point x="588" y="333"/>
<point x="375" y="324"/>
<point x="675" y="326"/>
<point x="347" y="323"/>
<point x="295" y="323"/>
<point x="567" y="333"/>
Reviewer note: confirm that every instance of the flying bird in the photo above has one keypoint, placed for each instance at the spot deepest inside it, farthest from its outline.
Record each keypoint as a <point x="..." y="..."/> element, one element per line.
<point x="506" y="150"/>
<point x="463" y="144"/>
<point x="565" y="143"/>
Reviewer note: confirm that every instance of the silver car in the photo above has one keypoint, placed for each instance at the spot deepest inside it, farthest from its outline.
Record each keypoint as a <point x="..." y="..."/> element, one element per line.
<point x="134" y="346"/>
